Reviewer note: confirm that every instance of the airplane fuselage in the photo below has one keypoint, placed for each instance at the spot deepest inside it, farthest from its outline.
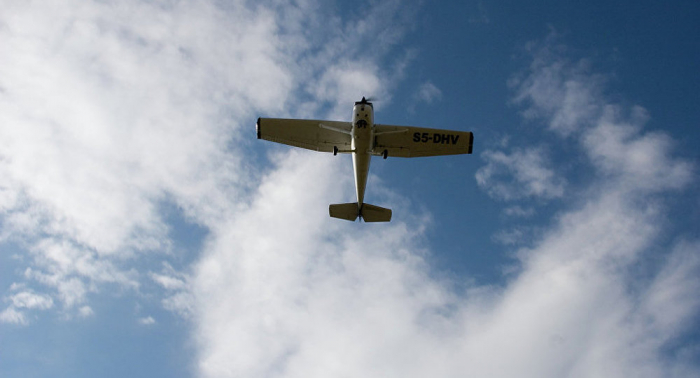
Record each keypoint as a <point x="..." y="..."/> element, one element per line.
<point x="362" y="145"/>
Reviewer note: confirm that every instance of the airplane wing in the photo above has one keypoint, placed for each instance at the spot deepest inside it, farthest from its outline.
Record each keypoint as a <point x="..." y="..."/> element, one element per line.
<point x="314" y="135"/>
<point x="407" y="141"/>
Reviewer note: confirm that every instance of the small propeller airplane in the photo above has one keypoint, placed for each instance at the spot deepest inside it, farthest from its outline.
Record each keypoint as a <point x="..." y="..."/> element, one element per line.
<point x="363" y="139"/>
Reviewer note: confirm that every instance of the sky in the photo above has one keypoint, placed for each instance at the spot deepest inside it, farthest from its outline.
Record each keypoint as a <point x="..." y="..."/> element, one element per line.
<point x="145" y="231"/>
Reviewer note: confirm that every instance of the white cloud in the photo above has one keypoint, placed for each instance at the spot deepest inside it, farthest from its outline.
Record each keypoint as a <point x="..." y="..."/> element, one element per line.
<point x="178" y="285"/>
<point x="567" y="94"/>
<point x="672" y="297"/>
<point x="29" y="300"/>
<point x="621" y="149"/>
<point x="147" y="321"/>
<point x="519" y="211"/>
<point x="511" y="236"/>
<point x="167" y="282"/>
<point x="428" y="93"/>
<point x="180" y="302"/>
<point x="109" y="111"/>
<point x="117" y="108"/>
<point x="132" y="105"/>
<point x="342" y="85"/>
<point x="12" y="316"/>
<point x="103" y="121"/>
<point x="301" y="292"/>
<point x="169" y="279"/>
<point x="317" y="298"/>
<point x="21" y="302"/>
<point x="85" y="311"/>
<point x="520" y="174"/>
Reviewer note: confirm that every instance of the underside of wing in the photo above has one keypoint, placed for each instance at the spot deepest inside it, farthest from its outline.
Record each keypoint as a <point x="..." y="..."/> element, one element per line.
<point x="314" y="135"/>
<point x="407" y="141"/>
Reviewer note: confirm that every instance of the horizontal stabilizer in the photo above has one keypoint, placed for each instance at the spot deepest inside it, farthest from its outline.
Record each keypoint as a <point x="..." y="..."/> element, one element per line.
<point x="350" y="211"/>
<point x="371" y="213"/>
<point x="347" y="211"/>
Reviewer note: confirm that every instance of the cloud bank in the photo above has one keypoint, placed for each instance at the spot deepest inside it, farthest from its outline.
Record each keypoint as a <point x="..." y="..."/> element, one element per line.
<point x="319" y="298"/>
<point x="108" y="111"/>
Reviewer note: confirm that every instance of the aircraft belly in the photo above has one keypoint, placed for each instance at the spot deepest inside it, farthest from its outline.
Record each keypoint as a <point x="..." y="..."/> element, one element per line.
<point x="362" y="135"/>
<point x="360" y="162"/>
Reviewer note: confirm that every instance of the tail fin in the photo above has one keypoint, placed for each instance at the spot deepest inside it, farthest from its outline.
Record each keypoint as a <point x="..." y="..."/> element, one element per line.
<point x="350" y="211"/>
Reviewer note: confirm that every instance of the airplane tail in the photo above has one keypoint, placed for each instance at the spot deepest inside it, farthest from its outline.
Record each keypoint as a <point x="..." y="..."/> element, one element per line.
<point x="350" y="211"/>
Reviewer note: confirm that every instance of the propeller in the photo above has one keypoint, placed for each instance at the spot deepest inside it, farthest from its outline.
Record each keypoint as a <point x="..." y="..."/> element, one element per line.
<point x="367" y="100"/>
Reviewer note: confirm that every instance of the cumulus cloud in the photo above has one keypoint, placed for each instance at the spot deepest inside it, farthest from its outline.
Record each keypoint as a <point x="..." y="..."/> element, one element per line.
<point x="147" y="321"/>
<point x="106" y="111"/>
<point x="85" y="311"/>
<point x="109" y="111"/>
<point x="178" y="288"/>
<point x="12" y="316"/>
<point x="621" y="149"/>
<point x="564" y="92"/>
<point x="671" y="297"/>
<point x="304" y="298"/>
<point x="519" y="211"/>
<point x="169" y="279"/>
<point x="509" y="237"/>
<point x="21" y="302"/>
<point x="319" y="298"/>
<point x="28" y="299"/>
<point x="519" y="174"/>
<point x="428" y="93"/>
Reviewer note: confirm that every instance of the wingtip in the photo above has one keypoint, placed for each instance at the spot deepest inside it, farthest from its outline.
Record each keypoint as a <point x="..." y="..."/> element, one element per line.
<point x="471" y="142"/>
<point x="257" y="128"/>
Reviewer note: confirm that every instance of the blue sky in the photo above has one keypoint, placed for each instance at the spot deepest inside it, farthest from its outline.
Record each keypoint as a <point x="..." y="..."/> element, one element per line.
<point x="145" y="231"/>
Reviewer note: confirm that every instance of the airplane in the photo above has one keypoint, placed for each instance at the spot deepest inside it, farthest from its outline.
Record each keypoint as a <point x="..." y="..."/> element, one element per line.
<point x="363" y="139"/>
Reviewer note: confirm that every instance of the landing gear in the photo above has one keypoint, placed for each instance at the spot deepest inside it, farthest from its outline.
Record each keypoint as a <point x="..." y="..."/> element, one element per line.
<point x="385" y="154"/>
<point x="335" y="150"/>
